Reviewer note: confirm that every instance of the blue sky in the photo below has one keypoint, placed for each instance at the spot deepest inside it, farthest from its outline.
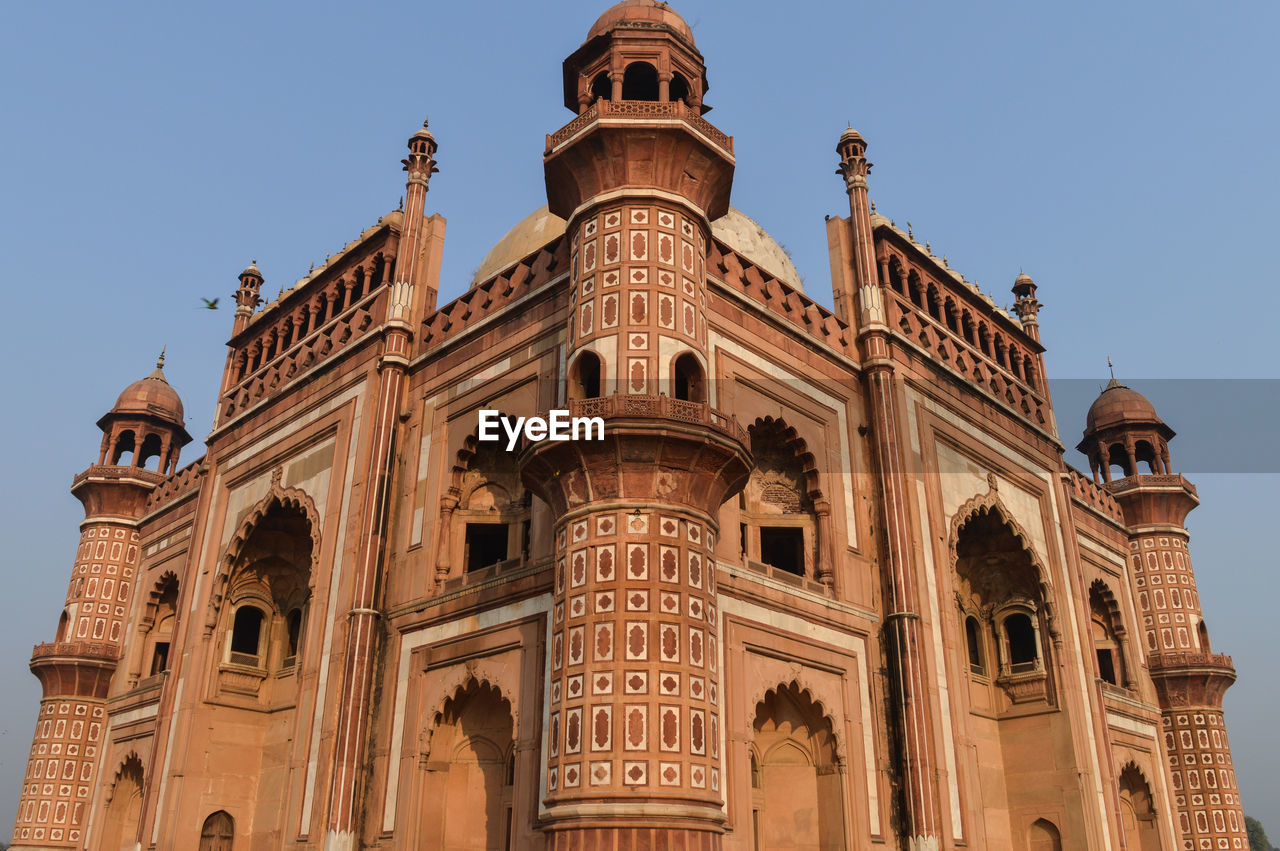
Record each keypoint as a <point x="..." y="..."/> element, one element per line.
<point x="1121" y="154"/>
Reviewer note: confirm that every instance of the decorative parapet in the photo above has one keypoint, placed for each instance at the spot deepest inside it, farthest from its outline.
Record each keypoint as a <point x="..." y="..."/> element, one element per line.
<point x="1188" y="661"/>
<point x="179" y="484"/>
<point x="1142" y="482"/>
<point x="635" y="406"/>
<point x="107" y="472"/>
<point x="103" y="650"/>
<point x="982" y="369"/>
<point x="652" y="110"/>
<point x="738" y="273"/>
<point x="489" y="297"/>
<point x="1093" y="495"/>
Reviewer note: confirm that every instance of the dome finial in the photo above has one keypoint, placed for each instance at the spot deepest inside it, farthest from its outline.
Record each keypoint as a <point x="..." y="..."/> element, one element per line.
<point x="160" y="360"/>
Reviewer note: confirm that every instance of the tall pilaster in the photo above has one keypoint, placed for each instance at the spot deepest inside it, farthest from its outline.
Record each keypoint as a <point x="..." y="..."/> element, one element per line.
<point x="634" y="721"/>
<point x="351" y="737"/>
<point x="1124" y="431"/>
<point x="75" y="669"/>
<point x="902" y="634"/>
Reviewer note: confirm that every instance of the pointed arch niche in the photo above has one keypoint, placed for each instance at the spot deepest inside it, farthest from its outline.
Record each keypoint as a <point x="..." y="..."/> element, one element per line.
<point x="785" y="520"/>
<point x="797" y="776"/>
<point x="1002" y="607"/>
<point x="124" y="805"/>
<point x="466" y="772"/>
<point x="1137" y="811"/>
<point x="486" y="510"/>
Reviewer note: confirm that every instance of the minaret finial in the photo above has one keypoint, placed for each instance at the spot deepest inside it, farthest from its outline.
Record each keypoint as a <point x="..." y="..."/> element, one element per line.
<point x="160" y="360"/>
<point x="1111" y="367"/>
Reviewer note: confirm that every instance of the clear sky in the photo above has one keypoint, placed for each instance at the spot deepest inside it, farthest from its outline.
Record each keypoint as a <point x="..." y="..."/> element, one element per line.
<point x="1120" y="153"/>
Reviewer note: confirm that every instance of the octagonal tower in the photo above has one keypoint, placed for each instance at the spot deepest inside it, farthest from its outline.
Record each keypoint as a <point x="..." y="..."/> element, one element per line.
<point x="1124" y="431"/>
<point x="634" y="719"/>
<point x="144" y="426"/>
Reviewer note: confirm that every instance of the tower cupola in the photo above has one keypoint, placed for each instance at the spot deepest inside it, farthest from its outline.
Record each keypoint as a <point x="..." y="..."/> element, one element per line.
<point x="1123" y="430"/>
<point x="146" y="422"/>
<point x="248" y="295"/>
<point x="638" y="50"/>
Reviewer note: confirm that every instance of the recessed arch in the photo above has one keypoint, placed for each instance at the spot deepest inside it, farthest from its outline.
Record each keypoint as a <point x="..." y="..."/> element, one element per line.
<point x="640" y="82"/>
<point x="123" y="806"/>
<point x="586" y="375"/>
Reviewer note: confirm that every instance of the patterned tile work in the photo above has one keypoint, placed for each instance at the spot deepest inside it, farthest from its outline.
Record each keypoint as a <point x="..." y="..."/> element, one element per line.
<point x="1204" y="781"/>
<point x="1168" y="603"/>
<point x="60" y="773"/>
<point x="629" y="688"/>
<point x="639" y="275"/>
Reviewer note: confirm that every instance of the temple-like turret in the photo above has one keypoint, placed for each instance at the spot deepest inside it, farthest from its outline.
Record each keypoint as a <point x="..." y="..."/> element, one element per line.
<point x="1124" y="433"/>
<point x="142" y="436"/>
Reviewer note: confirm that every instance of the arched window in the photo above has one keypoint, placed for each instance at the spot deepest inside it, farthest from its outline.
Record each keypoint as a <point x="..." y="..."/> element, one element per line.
<point x="679" y="87"/>
<point x="601" y="87"/>
<point x="1020" y="638"/>
<point x="640" y="82"/>
<point x="151" y="447"/>
<point x="1117" y="460"/>
<point x="1106" y="629"/>
<point x="779" y="517"/>
<point x="1202" y="632"/>
<point x="935" y="306"/>
<point x="973" y="642"/>
<point x="218" y="832"/>
<point x="584" y="377"/>
<point x="1145" y="453"/>
<point x="64" y="627"/>
<point x="687" y="377"/>
<point x="122" y="454"/>
<point x="915" y="289"/>
<point x="488" y="521"/>
<point x="246" y="636"/>
<point x="1044" y="836"/>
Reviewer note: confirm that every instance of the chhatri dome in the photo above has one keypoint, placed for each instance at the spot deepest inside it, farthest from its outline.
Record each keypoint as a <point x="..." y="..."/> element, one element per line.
<point x="1118" y="404"/>
<point x="640" y="14"/>
<point x="153" y="397"/>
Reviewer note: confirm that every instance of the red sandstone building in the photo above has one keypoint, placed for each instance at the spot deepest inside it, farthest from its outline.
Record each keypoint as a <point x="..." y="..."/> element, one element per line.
<point x="827" y="581"/>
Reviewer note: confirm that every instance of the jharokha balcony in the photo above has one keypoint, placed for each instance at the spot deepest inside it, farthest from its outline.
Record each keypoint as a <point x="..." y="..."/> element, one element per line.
<point x="658" y="407"/>
<point x="603" y="110"/>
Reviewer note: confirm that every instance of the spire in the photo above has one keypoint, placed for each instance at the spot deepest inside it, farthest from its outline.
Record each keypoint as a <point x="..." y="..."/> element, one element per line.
<point x="158" y="373"/>
<point x="421" y="163"/>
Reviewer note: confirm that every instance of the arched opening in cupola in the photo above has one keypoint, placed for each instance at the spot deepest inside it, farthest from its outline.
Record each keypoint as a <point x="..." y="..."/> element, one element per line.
<point x="640" y="82"/>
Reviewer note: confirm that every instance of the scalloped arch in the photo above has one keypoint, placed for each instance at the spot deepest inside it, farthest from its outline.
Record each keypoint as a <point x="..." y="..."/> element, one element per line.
<point x="799" y="449"/>
<point x="470" y="446"/>
<point x="819" y="706"/>
<point x="131" y="760"/>
<point x="460" y="683"/>
<point x="287" y="498"/>
<point x="1109" y="602"/>
<point x="990" y="503"/>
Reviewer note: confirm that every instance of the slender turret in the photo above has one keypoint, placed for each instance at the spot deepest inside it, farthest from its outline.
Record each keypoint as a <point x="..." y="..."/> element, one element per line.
<point x="1124" y="432"/>
<point x="142" y="436"/>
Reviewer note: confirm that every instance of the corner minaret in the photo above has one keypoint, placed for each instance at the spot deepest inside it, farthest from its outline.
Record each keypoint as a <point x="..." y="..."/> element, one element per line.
<point x="633" y="725"/>
<point x="1124" y="431"/>
<point x="142" y="436"/>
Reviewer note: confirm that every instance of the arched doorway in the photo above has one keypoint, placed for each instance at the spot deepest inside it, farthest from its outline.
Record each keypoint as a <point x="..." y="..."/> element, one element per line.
<point x="1044" y="836"/>
<point x="466" y="794"/>
<point x="218" y="832"/>
<point x="798" y="790"/>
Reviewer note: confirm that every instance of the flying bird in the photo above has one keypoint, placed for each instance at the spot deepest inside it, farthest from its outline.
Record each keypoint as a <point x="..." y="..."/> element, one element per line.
<point x="208" y="305"/>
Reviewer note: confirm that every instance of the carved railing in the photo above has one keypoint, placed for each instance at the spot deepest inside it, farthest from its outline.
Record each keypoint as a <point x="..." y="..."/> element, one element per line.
<point x="641" y="109"/>
<point x="739" y="273"/>
<point x="118" y="471"/>
<point x="628" y="405"/>
<point x="182" y="482"/>
<point x="99" y="650"/>
<point x="318" y="345"/>
<point x="1166" y="661"/>
<point x="1094" y="495"/>
<point x="1139" y="480"/>
<point x="970" y="362"/>
<point x="492" y="295"/>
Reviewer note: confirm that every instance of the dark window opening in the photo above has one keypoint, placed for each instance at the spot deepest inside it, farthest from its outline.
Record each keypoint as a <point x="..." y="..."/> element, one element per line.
<point x="688" y="379"/>
<point x="246" y="632"/>
<point x="601" y="86"/>
<point x="742" y="537"/>
<point x="1022" y="643"/>
<point x="782" y="547"/>
<point x="755" y="772"/>
<point x="64" y="623"/>
<point x="679" y="87"/>
<point x="1203" y="632"/>
<point x="640" y="82"/>
<point x="160" y="658"/>
<point x="511" y="769"/>
<point x="1117" y="460"/>
<point x="1106" y="666"/>
<point x="122" y="455"/>
<point x="293" y="625"/>
<point x="973" y="639"/>
<point x="150" y="449"/>
<point x="586" y="377"/>
<point x="486" y="545"/>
